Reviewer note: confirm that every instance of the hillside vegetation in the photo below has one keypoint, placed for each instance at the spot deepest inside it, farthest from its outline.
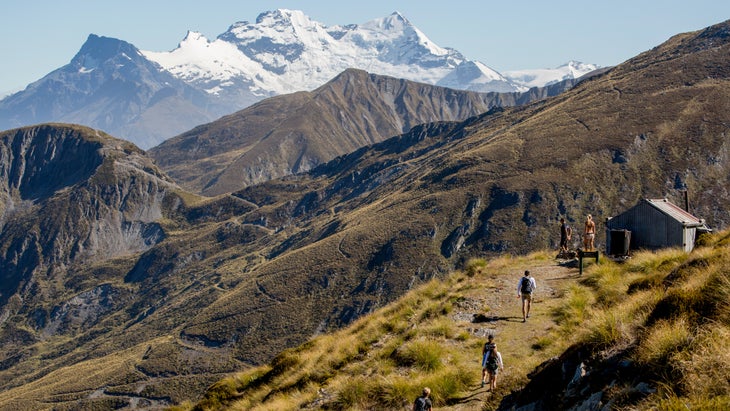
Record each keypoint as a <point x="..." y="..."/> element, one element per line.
<point x="650" y="332"/>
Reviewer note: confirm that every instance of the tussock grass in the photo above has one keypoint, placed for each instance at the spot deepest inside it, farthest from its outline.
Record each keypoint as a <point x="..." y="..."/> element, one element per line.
<point x="575" y="308"/>
<point x="475" y="266"/>
<point x="665" y="311"/>
<point x="706" y="367"/>
<point x="424" y="355"/>
<point x="650" y="262"/>
<point x="664" y="341"/>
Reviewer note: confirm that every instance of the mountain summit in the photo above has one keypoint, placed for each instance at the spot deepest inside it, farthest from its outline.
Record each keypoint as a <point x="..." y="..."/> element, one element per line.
<point x="147" y="97"/>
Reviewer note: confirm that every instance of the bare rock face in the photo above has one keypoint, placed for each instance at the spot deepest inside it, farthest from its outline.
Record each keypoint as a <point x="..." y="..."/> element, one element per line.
<point x="71" y="194"/>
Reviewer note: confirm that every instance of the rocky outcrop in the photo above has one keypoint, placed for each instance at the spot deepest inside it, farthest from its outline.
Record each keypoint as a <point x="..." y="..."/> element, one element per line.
<point x="72" y="194"/>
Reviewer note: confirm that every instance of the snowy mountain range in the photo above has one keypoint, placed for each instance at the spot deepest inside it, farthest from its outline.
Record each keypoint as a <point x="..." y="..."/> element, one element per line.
<point x="147" y="96"/>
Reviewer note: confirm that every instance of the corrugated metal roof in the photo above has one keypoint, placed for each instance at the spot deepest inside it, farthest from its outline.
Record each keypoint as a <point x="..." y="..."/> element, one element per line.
<point x="675" y="212"/>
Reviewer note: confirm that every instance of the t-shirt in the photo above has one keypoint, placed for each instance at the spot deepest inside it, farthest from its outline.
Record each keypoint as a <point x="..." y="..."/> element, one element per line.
<point x="526" y="285"/>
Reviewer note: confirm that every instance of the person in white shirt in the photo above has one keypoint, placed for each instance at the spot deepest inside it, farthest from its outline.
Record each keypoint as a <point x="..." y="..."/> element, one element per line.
<point x="525" y="287"/>
<point x="493" y="363"/>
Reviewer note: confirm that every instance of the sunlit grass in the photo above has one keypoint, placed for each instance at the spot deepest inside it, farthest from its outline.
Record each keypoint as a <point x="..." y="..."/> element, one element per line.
<point x="706" y="365"/>
<point x="663" y="341"/>
<point x="575" y="308"/>
<point x="666" y="310"/>
<point x="649" y="262"/>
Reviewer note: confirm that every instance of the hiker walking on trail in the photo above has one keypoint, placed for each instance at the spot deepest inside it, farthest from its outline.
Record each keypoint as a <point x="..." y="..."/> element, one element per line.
<point x="488" y="347"/>
<point x="525" y="287"/>
<point x="423" y="403"/>
<point x="492" y="363"/>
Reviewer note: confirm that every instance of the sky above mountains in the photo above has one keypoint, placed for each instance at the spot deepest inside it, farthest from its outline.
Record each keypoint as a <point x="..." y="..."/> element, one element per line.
<point x="43" y="35"/>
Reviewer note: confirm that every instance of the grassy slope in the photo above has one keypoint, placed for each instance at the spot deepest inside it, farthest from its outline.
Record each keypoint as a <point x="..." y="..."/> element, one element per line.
<point x="663" y="313"/>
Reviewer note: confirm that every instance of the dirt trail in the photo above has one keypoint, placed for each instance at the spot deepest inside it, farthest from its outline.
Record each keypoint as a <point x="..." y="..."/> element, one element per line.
<point x="492" y="307"/>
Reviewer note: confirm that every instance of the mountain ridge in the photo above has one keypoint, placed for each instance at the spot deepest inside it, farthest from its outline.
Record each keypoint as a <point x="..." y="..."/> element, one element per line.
<point x="293" y="133"/>
<point x="157" y="95"/>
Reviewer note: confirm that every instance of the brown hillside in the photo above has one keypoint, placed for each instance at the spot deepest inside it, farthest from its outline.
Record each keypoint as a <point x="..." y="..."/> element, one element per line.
<point x="378" y="220"/>
<point x="296" y="132"/>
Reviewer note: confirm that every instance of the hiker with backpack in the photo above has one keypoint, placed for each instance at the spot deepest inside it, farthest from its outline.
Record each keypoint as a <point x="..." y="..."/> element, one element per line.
<point x="423" y="403"/>
<point x="488" y="346"/>
<point x="491" y="363"/>
<point x="525" y="287"/>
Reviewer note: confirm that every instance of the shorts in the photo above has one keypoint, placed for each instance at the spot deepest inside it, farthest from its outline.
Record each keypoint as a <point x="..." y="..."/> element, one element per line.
<point x="590" y="236"/>
<point x="526" y="297"/>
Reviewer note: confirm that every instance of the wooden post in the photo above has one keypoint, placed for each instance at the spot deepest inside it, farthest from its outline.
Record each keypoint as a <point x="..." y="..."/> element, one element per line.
<point x="587" y="254"/>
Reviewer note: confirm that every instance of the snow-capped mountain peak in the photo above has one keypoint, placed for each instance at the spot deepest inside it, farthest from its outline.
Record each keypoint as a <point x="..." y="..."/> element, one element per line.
<point x="286" y="51"/>
<point x="543" y="77"/>
<point x="282" y="52"/>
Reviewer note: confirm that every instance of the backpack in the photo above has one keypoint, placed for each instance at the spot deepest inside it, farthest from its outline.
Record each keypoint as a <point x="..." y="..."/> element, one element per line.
<point x="526" y="286"/>
<point x="420" y="404"/>
<point x="492" y="362"/>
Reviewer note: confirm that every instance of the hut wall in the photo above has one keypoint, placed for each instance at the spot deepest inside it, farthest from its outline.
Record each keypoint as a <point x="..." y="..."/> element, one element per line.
<point x="651" y="229"/>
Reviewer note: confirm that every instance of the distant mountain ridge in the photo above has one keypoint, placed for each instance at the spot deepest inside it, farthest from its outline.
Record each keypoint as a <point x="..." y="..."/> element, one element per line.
<point x="295" y="132"/>
<point x="146" y="97"/>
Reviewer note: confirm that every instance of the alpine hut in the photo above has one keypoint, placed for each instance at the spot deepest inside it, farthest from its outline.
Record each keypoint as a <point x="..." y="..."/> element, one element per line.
<point x="652" y="224"/>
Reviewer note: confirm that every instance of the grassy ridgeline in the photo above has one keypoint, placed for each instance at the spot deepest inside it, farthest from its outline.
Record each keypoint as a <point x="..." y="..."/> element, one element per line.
<point x="664" y="315"/>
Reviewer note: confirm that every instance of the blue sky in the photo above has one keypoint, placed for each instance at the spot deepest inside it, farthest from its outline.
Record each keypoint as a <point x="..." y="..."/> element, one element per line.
<point x="39" y="36"/>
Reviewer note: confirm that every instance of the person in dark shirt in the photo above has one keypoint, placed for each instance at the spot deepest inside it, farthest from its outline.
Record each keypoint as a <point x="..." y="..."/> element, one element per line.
<point x="488" y="346"/>
<point x="423" y="403"/>
<point x="565" y="234"/>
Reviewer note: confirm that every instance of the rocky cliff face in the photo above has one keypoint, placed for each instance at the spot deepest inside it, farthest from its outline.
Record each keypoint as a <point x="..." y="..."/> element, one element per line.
<point x="72" y="194"/>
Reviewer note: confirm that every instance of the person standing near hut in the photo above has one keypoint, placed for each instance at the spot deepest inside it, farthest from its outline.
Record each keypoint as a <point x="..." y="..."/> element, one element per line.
<point x="589" y="234"/>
